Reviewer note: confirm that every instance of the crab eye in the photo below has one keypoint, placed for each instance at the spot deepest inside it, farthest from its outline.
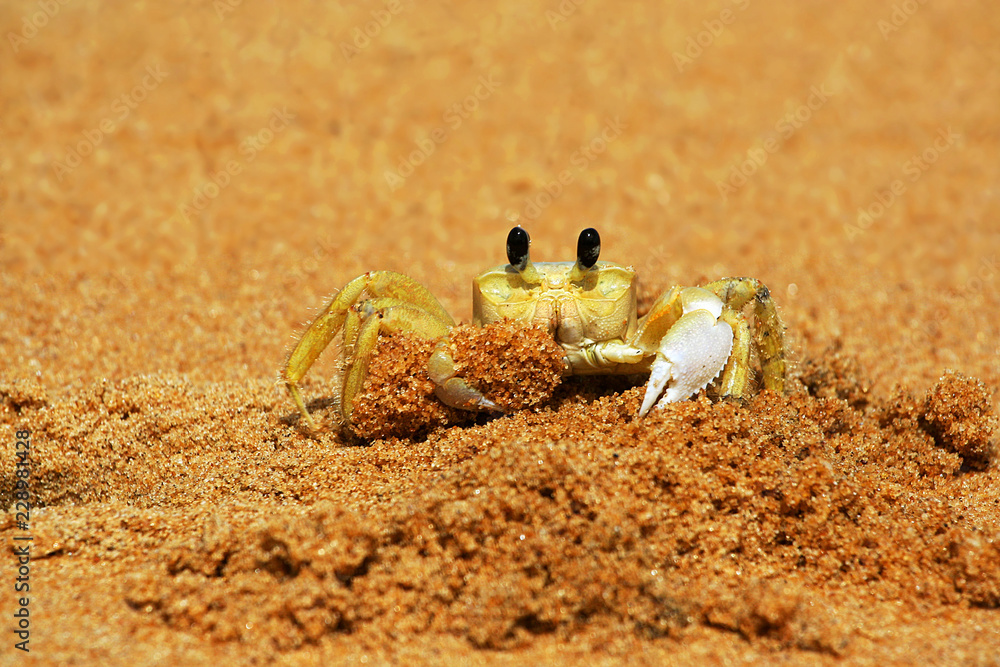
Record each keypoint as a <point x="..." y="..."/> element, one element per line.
<point x="588" y="248"/>
<point x="517" y="248"/>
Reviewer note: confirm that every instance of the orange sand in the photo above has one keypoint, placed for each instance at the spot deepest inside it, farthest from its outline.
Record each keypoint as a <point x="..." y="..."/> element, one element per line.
<point x="182" y="186"/>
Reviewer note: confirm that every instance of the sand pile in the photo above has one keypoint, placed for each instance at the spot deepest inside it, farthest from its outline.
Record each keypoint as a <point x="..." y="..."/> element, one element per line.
<point x="571" y="519"/>
<point x="514" y="367"/>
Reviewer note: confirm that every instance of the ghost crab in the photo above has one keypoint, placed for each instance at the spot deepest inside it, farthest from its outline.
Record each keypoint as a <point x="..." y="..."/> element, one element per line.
<point x="688" y="338"/>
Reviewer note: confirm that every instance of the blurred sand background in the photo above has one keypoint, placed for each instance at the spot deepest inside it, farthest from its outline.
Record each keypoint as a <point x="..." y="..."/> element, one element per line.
<point x="182" y="185"/>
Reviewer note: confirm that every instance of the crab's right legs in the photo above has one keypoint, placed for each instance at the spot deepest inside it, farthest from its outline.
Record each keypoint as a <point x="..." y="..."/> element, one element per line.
<point x="375" y="315"/>
<point x="396" y="303"/>
<point x="316" y="338"/>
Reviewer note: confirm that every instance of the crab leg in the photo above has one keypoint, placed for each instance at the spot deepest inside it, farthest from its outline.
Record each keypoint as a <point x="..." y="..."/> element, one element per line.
<point x="769" y="333"/>
<point x="376" y="315"/>
<point x="396" y="301"/>
<point x="736" y="374"/>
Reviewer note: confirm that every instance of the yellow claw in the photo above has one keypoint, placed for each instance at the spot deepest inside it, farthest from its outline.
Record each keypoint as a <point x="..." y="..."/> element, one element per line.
<point x="451" y="389"/>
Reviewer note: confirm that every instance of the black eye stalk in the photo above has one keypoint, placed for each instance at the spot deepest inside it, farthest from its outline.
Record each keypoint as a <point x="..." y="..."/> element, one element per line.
<point x="517" y="254"/>
<point x="517" y="248"/>
<point x="588" y="248"/>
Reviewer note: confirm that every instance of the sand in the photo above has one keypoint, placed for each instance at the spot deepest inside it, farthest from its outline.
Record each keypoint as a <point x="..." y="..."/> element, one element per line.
<point x="183" y="187"/>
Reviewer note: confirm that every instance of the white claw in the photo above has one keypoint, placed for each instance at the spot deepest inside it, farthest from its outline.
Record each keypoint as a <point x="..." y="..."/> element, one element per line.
<point x="691" y="355"/>
<point x="659" y="375"/>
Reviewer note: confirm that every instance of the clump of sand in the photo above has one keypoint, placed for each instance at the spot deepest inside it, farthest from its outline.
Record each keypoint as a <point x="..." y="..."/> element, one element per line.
<point x="957" y="415"/>
<point x="515" y="367"/>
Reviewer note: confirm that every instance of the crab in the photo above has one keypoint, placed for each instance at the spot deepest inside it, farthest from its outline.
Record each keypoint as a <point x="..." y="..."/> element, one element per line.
<point x="689" y="338"/>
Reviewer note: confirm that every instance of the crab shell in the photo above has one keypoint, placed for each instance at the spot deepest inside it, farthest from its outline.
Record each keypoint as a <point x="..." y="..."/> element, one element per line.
<point x="578" y="308"/>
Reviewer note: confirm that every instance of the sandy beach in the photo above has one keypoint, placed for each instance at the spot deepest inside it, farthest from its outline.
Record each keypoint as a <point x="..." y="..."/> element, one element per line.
<point x="184" y="186"/>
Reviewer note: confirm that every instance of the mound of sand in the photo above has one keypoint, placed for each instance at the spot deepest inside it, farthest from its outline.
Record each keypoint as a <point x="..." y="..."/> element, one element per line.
<point x="571" y="519"/>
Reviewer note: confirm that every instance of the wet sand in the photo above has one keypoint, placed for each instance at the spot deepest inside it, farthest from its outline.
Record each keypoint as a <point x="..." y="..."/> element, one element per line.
<point x="182" y="188"/>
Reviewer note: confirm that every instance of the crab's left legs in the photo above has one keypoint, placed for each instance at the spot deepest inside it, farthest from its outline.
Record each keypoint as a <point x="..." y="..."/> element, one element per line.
<point x="736" y="374"/>
<point x="769" y="333"/>
<point x="690" y="341"/>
